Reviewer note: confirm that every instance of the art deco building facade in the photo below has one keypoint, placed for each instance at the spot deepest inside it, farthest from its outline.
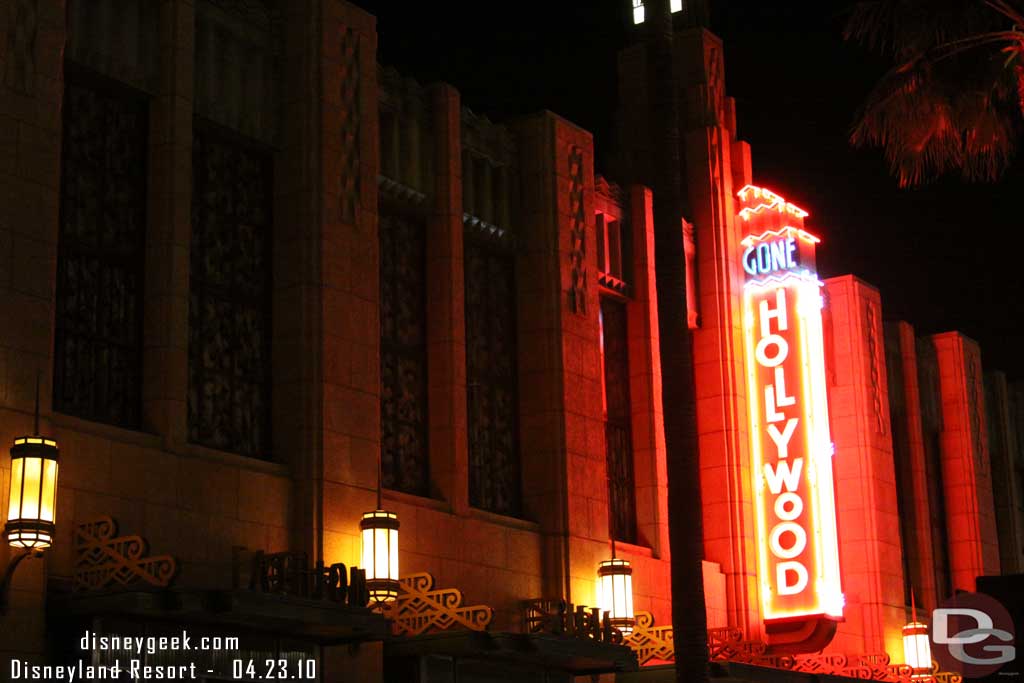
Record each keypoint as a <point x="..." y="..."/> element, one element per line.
<point x="269" y="286"/>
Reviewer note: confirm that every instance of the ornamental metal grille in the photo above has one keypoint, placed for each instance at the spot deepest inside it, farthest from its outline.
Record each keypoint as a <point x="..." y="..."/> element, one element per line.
<point x="618" y="436"/>
<point x="491" y="374"/>
<point x="229" y="307"/>
<point x="98" y="346"/>
<point x="403" y="337"/>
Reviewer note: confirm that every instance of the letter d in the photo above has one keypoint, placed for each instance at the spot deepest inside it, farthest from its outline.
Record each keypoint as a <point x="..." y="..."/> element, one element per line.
<point x="83" y="644"/>
<point x="15" y="669"/>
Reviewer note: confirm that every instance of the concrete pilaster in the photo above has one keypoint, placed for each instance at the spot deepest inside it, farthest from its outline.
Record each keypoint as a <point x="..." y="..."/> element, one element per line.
<point x="865" y="477"/>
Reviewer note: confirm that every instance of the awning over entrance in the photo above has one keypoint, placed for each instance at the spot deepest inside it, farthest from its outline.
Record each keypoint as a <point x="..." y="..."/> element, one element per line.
<point x="442" y="656"/>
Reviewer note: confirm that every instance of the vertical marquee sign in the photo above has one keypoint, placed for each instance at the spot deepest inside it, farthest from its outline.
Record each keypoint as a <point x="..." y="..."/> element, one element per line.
<point x="791" y="447"/>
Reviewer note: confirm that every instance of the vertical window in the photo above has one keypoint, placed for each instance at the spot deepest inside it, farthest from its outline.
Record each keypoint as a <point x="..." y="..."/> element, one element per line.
<point x="229" y="307"/>
<point x="98" y="346"/>
<point x="491" y="369"/>
<point x="617" y="410"/>
<point x="609" y="247"/>
<point x="403" y="331"/>
<point x="937" y="506"/>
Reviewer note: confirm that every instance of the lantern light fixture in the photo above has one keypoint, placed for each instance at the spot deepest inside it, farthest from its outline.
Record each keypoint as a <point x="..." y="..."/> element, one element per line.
<point x="917" y="649"/>
<point x="640" y="12"/>
<point x="32" y="506"/>
<point x="378" y="532"/>
<point x="31" y="513"/>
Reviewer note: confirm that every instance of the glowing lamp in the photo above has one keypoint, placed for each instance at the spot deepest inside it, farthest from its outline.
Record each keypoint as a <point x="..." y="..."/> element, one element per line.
<point x="31" y="514"/>
<point x="917" y="651"/>
<point x="615" y="593"/>
<point x="380" y="554"/>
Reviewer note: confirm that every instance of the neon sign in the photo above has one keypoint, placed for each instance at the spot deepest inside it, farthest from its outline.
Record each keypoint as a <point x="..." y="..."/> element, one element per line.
<point x="791" y="447"/>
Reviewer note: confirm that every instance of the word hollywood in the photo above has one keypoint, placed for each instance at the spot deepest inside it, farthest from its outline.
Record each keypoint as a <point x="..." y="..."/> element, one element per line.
<point x="135" y="670"/>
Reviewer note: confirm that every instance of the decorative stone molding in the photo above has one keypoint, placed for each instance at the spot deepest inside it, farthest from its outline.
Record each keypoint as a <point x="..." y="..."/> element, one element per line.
<point x="420" y="608"/>
<point x="22" y="30"/>
<point x="610" y="190"/>
<point x="577" y="234"/>
<point x="730" y="645"/>
<point x="104" y="559"/>
<point x="561" y="618"/>
<point x="875" y="369"/>
<point x="351" y="124"/>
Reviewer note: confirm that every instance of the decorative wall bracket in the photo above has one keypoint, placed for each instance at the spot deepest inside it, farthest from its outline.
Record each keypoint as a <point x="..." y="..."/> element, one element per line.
<point x="562" y="618"/>
<point x="104" y="558"/>
<point x="653" y="643"/>
<point x="8" y="575"/>
<point x="420" y="608"/>
<point x="577" y="234"/>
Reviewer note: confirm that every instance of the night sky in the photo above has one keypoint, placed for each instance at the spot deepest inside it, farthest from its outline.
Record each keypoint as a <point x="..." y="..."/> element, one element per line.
<point x="944" y="257"/>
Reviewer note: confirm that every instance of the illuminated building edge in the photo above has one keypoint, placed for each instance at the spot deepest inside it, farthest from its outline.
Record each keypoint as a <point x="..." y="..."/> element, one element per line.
<point x="791" y="447"/>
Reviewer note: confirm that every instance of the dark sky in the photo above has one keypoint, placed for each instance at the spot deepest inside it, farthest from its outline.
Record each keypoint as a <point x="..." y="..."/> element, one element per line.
<point x="943" y="257"/>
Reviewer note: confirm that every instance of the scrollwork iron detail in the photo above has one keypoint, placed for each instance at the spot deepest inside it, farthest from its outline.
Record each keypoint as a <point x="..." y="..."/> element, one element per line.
<point x="229" y="308"/>
<point x="98" y="341"/>
<point x="577" y="234"/>
<point x="650" y="642"/>
<point x="104" y="558"/>
<point x="403" y="331"/>
<point x="618" y="415"/>
<point x="420" y="608"/>
<point x="731" y="645"/>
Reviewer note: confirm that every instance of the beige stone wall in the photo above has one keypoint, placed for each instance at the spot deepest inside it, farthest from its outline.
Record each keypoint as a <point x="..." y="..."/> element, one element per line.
<point x="196" y="503"/>
<point x="870" y="548"/>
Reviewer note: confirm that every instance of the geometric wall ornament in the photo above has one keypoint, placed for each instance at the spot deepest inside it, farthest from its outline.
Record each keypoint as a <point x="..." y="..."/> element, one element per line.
<point x="729" y="644"/>
<point x="419" y="608"/>
<point x="103" y="558"/>
<point x="651" y="642"/>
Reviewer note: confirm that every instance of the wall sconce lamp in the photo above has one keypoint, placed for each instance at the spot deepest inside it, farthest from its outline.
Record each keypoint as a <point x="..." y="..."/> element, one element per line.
<point x="615" y="593"/>
<point x="379" y="535"/>
<point x="31" y="513"/>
